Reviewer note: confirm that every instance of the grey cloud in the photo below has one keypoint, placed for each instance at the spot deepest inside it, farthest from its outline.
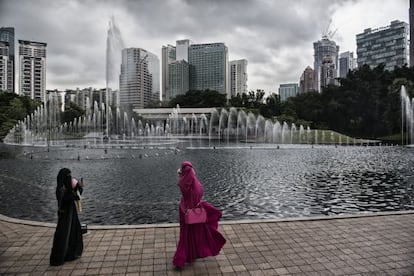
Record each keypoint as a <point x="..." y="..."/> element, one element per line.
<point x="263" y="32"/>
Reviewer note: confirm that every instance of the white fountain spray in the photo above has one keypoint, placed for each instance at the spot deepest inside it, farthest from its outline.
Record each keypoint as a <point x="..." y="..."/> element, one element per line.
<point x="407" y="112"/>
<point x="114" y="46"/>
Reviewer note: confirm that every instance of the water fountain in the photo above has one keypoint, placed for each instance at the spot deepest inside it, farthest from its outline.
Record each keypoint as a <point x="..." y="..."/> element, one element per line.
<point x="106" y="124"/>
<point x="114" y="46"/>
<point x="224" y="126"/>
<point x="407" y="113"/>
<point x="135" y="180"/>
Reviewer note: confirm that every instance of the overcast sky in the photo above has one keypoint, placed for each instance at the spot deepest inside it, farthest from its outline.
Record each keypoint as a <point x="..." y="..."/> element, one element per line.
<point x="275" y="36"/>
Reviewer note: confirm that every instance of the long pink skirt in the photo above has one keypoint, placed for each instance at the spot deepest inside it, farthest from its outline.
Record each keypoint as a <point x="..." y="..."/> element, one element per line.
<point x="199" y="240"/>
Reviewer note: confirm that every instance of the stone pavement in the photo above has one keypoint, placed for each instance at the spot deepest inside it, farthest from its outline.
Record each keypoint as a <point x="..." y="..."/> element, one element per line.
<point x="345" y="245"/>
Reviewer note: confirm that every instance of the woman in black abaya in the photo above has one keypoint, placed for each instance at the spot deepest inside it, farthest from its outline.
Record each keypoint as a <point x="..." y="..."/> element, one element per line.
<point x="67" y="242"/>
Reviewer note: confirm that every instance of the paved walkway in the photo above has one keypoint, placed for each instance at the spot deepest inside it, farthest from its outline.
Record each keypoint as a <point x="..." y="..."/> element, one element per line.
<point x="365" y="245"/>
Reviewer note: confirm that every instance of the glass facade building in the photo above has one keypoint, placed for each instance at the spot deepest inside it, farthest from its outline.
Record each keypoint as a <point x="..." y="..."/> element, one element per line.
<point x="288" y="90"/>
<point x="7" y="70"/>
<point x="209" y="67"/>
<point x="322" y="49"/>
<point x="171" y="54"/>
<point x="32" y="61"/>
<point x="139" y="79"/>
<point x="386" y="45"/>
<point x="346" y="62"/>
<point x="238" y="77"/>
<point x="182" y="49"/>
<point x="168" y="55"/>
<point x="179" y="72"/>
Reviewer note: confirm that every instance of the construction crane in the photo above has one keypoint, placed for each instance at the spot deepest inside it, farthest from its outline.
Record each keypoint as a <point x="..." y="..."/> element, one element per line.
<point x="329" y="34"/>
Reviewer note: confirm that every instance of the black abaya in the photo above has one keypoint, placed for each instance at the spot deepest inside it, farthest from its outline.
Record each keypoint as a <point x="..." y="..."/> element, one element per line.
<point x="67" y="242"/>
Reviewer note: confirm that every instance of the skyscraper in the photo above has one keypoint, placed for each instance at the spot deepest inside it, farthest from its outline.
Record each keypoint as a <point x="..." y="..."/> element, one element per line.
<point x="168" y="54"/>
<point x="346" y="62"/>
<point x="387" y="45"/>
<point x="209" y="67"/>
<point x="6" y="78"/>
<point x="182" y="49"/>
<point x="327" y="72"/>
<point x="307" y="80"/>
<point x="171" y="54"/>
<point x="8" y="71"/>
<point x="179" y="72"/>
<point x="287" y="90"/>
<point x="323" y="49"/>
<point x="139" y="79"/>
<point x="238" y="77"/>
<point x="32" y="62"/>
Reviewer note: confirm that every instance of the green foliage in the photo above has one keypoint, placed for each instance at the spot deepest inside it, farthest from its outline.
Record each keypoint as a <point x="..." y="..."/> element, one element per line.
<point x="154" y="104"/>
<point x="12" y="109"/>
<point x="271" y="107"/>
<point x="286" y="118"/>
<point x="366" y="104"/>
<point x="196" y="98"/>
<point x="268" y="107"/>
<point x="71" y="112"/>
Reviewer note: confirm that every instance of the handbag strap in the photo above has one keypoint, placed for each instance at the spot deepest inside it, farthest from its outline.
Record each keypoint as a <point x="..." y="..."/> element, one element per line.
<point x="191" y="198"/>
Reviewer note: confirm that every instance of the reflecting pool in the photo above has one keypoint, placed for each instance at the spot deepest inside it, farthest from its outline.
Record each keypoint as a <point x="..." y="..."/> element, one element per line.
<point x="134" y="185"/>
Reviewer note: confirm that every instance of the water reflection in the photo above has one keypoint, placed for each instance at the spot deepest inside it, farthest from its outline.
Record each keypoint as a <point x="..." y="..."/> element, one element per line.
<point x="139" y="185"/>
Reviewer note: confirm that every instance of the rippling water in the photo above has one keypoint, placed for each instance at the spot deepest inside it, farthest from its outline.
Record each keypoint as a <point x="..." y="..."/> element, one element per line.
<point x="133" y="186"/>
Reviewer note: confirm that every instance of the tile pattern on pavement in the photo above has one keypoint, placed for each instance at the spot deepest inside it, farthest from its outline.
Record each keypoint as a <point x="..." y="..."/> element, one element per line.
<point x="369" y="245"/>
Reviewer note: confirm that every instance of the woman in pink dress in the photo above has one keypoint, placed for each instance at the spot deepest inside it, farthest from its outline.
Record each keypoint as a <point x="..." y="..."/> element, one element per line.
<point x="196" y="240"/>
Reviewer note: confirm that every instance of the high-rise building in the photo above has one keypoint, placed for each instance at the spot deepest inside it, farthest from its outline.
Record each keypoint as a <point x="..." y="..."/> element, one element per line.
<point x="32" y="61"/>
<point x="322" y="49"/>
<point x="6" y="79"/>
<point x="168" y="54"/>
<point x="307" y="81"/>
<point x="346" y="62"/>
<point x="182" y="49"/>
<point x="327" y="72"/>
<point x="139" y="79"/>
<point x="411" y="15"/>
<point x="288" y="90"/>
<point x="238" y="77"/>
<point x="171" y="54"/>
<point x="179" y="72"/>
<point x="386" y="45"/>
<point x="8" y="75"/>
<point x="209" y="67"/>
<point x="89" y="99"/>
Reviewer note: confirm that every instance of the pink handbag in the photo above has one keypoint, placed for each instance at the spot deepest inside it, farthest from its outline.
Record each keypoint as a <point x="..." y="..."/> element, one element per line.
<point x="195" y="215"/>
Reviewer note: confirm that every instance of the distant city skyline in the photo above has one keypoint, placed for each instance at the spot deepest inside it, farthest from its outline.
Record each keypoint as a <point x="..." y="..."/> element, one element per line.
<point x="275" y="37"/>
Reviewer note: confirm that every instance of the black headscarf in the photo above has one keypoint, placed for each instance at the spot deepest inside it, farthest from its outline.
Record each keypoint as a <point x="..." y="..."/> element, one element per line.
<point x="64" y="180"/>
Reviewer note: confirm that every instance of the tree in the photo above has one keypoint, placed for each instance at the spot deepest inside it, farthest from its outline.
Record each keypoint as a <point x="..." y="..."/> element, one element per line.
<point x="12" y="109"/>
<point x="366" y="103"/>
<point x="237" y="101"/>
<point x="196" y="98"/>
<point x="71" y="112"/>
<point x="271" y="107"/>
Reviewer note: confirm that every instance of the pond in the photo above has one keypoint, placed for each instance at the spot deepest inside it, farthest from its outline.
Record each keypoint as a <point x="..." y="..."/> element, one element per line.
<point x="138" y="185"/>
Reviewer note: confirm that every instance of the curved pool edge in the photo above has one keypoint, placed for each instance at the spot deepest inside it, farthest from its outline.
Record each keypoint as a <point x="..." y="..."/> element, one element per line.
<point x="223" y="222"/>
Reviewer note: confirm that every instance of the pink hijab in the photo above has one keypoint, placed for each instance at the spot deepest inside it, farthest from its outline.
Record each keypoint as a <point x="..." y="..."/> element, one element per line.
<point x="190" y="186"/>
